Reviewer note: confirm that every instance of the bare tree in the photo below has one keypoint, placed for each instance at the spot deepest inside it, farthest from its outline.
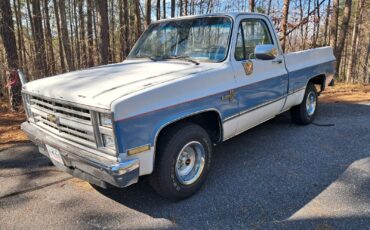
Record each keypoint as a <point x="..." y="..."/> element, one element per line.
<point x="137" y="19"/>
<point x="65" y="37"/>
<point x="158" y="9"/>
<point x="104" y="32"/>
<point x="148" y="12"/>
<point x="18" y="18"/>
<point x="9" y="42"/>
<point x="327" y="23"/>
<point x="112" y="56"/>
<point x="164" y="8"/>
<point x="60" y="44"/>
<point x="90" y="34"/>
<point x="334" y="26"/>
<point x="124" y="28"/>
<point x="269" y="7"/>
<point x="284" y="23"/>
<point x="38" y="36"/>
<point x="82" y="32"/>
<point x="353" y="48"/>
<point x="251" y="5"/>
<point x="181" y="9"/>
<point x="48" y="38"/>
<point x="343" y="32"/>
<point x="173" y="5"/>
<point x="366" y="65"/>
<point x="185" y="7"/>
<point x="7" y="34"/>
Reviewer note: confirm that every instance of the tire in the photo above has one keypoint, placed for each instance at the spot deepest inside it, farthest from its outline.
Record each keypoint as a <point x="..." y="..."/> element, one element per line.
<point x="304" y="113"/>
<point x="169" y="179"/>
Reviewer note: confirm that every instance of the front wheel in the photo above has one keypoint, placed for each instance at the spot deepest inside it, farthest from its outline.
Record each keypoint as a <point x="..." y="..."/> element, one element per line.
<point x="304" y="113"/>
<point x="182" y="161"/>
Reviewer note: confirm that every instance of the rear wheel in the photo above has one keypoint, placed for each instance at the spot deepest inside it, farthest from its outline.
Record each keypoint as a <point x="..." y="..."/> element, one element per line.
<point x="182" y="161"/>
<point x="304" y="113"/>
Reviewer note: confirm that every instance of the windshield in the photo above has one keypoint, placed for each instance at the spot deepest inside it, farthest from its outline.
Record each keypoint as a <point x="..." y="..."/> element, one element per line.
<point x="201" y="39"/>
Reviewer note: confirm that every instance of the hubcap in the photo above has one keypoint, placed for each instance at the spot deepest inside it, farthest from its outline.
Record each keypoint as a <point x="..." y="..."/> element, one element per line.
<point x="190" y="163"/>
<point x="311" y="103"/>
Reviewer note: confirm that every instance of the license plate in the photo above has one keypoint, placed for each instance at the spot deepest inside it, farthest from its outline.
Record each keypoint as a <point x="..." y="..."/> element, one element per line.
<point x="54" y="154"/>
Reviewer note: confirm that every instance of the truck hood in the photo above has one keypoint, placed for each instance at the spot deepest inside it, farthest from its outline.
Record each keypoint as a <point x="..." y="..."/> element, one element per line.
<point x="100" y="86"/>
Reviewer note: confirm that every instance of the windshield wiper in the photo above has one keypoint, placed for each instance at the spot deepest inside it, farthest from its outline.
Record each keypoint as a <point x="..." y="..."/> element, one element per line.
<point x="183" y="58"/>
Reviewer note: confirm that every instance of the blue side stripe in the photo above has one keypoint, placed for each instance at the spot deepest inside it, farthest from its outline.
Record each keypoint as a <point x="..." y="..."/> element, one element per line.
<point x="142" y="129"/>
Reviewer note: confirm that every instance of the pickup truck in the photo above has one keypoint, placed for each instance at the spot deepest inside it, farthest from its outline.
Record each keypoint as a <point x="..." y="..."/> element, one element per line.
<point x="188" y="84"/>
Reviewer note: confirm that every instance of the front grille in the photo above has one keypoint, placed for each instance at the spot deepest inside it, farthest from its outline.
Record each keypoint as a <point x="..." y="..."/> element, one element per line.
<point x="62" y="119"/>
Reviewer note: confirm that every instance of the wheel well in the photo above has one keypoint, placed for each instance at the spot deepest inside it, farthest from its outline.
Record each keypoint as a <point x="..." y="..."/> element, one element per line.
<point x="319" y="80"/>
<point x="210" y="121"/>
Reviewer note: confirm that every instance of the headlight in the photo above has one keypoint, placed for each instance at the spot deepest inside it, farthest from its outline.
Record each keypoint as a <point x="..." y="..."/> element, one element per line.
<point x="108" y="141"/>
<point x="105" y="120"/>
<point x="27" y="105"/>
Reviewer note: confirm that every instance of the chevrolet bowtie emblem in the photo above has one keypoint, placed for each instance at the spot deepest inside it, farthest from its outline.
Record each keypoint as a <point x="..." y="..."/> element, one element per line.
<point x="52" y="118"/>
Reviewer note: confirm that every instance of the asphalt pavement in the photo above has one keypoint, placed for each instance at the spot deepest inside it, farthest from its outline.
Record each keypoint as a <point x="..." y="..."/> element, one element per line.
<point x="275" y="176"/>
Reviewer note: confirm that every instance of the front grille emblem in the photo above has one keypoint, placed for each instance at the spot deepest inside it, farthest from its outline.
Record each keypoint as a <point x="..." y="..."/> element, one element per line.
<point x="52" y="118"/>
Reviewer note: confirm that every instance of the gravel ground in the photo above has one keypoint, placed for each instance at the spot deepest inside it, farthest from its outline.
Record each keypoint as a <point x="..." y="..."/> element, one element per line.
<point x="275" y="176"/>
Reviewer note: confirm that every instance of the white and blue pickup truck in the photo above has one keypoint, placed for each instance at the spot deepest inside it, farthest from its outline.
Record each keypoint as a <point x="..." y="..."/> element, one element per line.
<point x="188" y="84"/>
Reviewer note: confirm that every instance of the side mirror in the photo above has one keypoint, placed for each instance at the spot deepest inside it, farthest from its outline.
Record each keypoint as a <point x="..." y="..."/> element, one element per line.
<point x="265" y="52"/>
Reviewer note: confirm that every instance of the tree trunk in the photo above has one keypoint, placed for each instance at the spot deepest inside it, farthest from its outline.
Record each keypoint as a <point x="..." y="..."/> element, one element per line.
<point x="352" y="56"/>
<point x="71" y="35"/>
<point x="104" y="32"/>
<point x="112" y="29"/>
<point x="9" y="42"/>
<point x="317" y="23"/>
<point x="48" y="38"/>
<point x="366" y="65"/>
<point x="126" y="18"/>
<point x="90" y="35"/>
<point x="326" y="24"/>
<point x="20" y="40"/>
<point x="7" y="34"/>
<point x="185" y="7"/>
<point x="65" y="37"/>
<point x="334" y="26"/>
<point x="343" y="32"/>
<point x="122" y="36"/>
<point x="307" y="24"/>
<point x="284" y="23"/>
<point x="158" y="9"/>
<point x="82" y="32"/>
<point x="77" y="40"/>
<point x="251" y="5"/>
<point x="38" y="37"/>
<point x="23" y="63"/>
<point x="181" y="8"/>
<point x="173" y="5"/>
<point x="164" y="8"/>
<point x="148" y="12"/>
<point x="96" y="36"/>
<point x="303" y="40"/>
<point x="269" y="7"/>
<point x="138" y="19"/>
<point x="60" y="44"/>
<point x="124" y="28"/>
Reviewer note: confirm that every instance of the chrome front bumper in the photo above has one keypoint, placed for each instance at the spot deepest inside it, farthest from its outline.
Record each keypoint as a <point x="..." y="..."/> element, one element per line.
<point x="83" y="164"/>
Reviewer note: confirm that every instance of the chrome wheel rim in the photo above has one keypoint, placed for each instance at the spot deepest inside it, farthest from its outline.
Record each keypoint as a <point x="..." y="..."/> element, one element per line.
<point x="311" y="103"/>
<point x="190" y="163"/>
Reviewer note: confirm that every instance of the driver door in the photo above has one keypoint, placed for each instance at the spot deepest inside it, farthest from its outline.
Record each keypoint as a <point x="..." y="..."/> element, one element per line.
<point x="262" y="84"/>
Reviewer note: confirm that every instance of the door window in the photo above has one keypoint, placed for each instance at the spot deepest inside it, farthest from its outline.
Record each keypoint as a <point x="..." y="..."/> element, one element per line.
<point x="251" y="32"/>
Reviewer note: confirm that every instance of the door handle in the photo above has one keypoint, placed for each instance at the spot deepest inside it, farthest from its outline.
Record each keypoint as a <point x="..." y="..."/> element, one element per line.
<point x="277" y="61"/>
